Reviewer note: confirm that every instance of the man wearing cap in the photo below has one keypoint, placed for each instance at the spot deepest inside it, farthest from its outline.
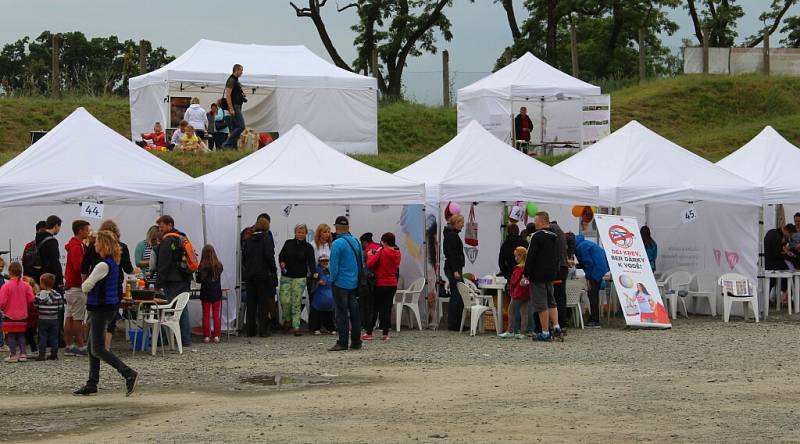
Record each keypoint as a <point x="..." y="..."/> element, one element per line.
<point x="346" y="263"/>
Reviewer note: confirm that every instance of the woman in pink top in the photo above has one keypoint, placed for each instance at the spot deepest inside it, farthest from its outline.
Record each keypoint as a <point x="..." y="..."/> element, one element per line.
<point x="16" y="296"/>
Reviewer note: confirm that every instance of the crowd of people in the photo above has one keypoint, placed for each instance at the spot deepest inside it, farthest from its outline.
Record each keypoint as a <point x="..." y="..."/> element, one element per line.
<point x="201" y="131"/>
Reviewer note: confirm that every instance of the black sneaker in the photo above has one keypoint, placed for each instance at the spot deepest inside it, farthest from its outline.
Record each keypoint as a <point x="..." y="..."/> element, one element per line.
<point x="355" y="346"/>
<point x="86" y="390"/>
<point x="595" y="324"/>
<point x="41" y="357"/>
<point x="337" y="347"/>
<point x="52" y="358"/>
<point x="130" y="383"/>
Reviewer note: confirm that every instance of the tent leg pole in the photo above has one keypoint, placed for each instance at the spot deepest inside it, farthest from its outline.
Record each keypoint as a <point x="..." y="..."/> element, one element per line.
<point x="237" y="282"/>
<point x="426" y="287"/>
<point x="203" y="220"/>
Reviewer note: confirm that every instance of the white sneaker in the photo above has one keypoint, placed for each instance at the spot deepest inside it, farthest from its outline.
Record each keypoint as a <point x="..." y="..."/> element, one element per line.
<point x="519" y="336"/>
<point x="506" y="335"/>
<point x="216" y="339"/>
<point x="317" y="332"/>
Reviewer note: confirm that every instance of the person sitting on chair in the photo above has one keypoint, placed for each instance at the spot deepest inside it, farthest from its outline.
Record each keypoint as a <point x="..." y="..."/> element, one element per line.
<point x="523" y="125"/>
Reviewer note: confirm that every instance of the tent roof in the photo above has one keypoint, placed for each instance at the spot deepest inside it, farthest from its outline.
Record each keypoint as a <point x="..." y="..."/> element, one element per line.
<point x="83" y="159"/>
<point x="770" y="161"/>
<point x="299" y="168"/>
<point x="634" y="165"/>
<point x="476" y="166"/>
<point x="528" y="77"/>
<point x="210" y="61"/>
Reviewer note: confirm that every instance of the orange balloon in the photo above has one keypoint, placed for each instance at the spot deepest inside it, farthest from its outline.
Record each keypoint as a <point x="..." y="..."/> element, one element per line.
<point x="577" y="210"/>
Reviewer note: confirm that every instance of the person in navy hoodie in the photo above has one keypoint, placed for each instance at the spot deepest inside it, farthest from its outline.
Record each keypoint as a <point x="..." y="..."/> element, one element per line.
<point x="592" y="259"/>
<point x="102" y="303"/>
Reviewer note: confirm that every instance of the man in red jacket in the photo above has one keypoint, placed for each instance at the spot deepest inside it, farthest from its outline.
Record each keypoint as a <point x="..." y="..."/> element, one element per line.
<point x="75" y="311"/>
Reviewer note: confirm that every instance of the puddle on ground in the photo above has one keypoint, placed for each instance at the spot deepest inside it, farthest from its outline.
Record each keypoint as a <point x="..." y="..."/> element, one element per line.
<point x="291" y="381"/>
<point x="60" y="421"/>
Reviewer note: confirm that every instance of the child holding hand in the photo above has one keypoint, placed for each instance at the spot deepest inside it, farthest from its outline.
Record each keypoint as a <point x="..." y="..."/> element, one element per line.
<point x="518" y="287"/>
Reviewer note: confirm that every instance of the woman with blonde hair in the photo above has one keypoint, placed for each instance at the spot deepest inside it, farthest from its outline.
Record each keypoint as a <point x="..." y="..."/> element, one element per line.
<point x="102" y="303"/>
<point x="196" y="116"/>
<point x="322" y="241"/>
<point x="454" y="261"/>
<point x="297" y="264"/>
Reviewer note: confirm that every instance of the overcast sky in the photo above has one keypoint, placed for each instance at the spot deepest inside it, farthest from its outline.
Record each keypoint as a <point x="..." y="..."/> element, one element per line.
<point x="480" y="29"/>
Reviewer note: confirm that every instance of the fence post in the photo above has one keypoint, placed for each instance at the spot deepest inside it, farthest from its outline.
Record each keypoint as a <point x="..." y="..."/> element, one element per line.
<point x="642" y="57"/>
<point x="573" y="47"/>
<point x="55" y="81"/>
<point x="144" y="47"/>
<point x="766" y="52"/>
<point x="706" y="33"/>
<point x="445" y="78"/>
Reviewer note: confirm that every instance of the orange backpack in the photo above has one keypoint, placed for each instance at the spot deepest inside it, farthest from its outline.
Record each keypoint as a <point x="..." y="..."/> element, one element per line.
<point x="188" y="262"/>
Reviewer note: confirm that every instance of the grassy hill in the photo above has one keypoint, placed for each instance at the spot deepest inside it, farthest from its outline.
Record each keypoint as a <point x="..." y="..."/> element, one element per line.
<point x="710" y="115"/>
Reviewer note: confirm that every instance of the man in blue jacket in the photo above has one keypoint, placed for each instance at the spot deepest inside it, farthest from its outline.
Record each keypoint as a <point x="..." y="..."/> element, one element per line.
<point x="347" y="260"/>
<point x="592" y="259"/>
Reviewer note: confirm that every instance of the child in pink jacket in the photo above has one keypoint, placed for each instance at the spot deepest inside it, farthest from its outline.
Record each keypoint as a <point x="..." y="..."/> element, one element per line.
<point x="16" y="296"/>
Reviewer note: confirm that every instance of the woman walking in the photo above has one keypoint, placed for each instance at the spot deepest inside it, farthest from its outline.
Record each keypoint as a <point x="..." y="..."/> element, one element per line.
<point x="102" y="303"/>
<point x="385" y="263"/>
<point x="297" y="263"/>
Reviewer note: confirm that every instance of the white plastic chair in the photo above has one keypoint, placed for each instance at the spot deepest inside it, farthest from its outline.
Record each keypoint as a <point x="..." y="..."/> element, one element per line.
<point x="474" y="304"/>
<point x="440" y="303"/>
<point x="704" y="285"/>
<point x="575" y="290"/>
<point x="675" y="283"/>
<point x="169" y="316"/>
<point x="742" y="292"/>
<point x="409" y="298"/>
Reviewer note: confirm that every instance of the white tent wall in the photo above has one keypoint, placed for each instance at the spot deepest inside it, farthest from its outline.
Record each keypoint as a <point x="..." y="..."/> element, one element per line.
<point x="343" y="119"/>
<point x="17" y="224"/>
<point x="492" y="113"/>
<point x="221" y="223"/>
<point x="154" y="99"/>
<point x="723" y="239"/>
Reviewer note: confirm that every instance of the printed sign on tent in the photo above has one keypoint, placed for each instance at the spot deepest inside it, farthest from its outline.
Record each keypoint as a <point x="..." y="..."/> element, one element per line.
<point x="689" y="214"/>
<point x="92" y="210"/>
<point x="636" y="286"/>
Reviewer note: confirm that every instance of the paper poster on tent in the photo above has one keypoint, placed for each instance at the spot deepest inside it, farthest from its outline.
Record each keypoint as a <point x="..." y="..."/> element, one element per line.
<point x="636" y="286"/>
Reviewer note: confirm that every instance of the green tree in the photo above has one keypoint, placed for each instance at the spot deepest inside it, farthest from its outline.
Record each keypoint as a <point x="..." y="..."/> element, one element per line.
<point x="607" y="34"/>
<point x="398" y="29"/>
<point x="719" y="17"/>
<point x="101" y="65"/>
<point x="792" y="31"/>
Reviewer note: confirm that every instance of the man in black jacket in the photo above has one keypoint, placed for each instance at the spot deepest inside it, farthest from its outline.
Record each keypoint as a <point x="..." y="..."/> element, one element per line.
<point x="171" y="278"/>
<point x="776" y="253"/>
<point x="49" y="253"/>
<point x="560" y="284"/>
<point x="260" y="275"/>
<point x="541" y="269"/>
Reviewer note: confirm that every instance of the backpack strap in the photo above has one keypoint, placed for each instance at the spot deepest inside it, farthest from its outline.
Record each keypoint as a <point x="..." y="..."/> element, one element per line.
<point x="357" y="256"/>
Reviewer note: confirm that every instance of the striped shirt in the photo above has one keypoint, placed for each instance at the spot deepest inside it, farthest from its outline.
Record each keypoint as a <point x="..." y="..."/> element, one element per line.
<point x="49" y="303"/>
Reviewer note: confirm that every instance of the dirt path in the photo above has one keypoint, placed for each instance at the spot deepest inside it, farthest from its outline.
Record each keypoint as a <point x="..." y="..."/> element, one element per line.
<point x="702" y="382"/>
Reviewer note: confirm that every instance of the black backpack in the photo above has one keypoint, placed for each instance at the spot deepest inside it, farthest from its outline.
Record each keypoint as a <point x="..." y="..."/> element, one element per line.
<point x="32" y="258"/>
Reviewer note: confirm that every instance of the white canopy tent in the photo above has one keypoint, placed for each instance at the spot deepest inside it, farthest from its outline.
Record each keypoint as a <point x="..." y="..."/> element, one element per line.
<point x="297" y="169"/>
<point x="769" y="161"/>
<point x="285" y="85"/>
<point x="82" y="160"/>
<point x="658" y="182"/>
<point x="475" y="166"/>
<point x="558" y="103"/>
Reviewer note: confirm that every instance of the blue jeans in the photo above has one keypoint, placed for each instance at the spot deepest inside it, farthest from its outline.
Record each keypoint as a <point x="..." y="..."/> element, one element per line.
<point x="171" y="291"/>
<point x="236" y="127"/>
<point x="348" y="317"/>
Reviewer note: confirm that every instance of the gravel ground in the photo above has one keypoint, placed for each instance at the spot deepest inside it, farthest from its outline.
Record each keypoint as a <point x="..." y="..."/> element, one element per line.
<point x="702" y="381"/>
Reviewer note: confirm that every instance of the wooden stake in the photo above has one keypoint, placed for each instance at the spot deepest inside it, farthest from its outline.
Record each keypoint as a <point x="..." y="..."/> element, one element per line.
<point x="445" y="78"/>
<point x="642" y="57"/>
